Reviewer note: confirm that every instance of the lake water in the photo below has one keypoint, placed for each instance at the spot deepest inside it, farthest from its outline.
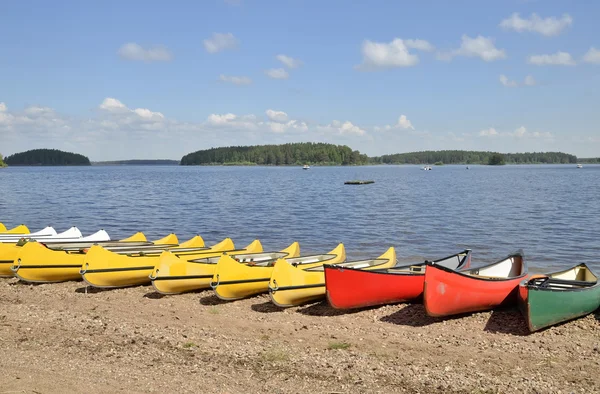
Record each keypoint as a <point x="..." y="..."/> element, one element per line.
<point x="552" y="212"/>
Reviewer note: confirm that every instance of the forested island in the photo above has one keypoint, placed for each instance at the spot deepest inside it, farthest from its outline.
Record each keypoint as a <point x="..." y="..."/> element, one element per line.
<point x="329" y="154"/>
<point x="2" y="163"/>
<point x="474" y="157"/>
<point x="47" y="157"/>
<point x="286" y="154"/>
<point x="137" y="162"/>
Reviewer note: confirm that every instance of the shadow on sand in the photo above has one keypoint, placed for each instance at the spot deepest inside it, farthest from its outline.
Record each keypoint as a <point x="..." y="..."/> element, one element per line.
<point x="324" y="309"/>
<point x="507" y="321"/>
<point x="266" y="307"/>
<point x="154" y="295"/>
<point x="212" y="299"/>
<point x="91" y="290"/>
<point x="414" y="315"/>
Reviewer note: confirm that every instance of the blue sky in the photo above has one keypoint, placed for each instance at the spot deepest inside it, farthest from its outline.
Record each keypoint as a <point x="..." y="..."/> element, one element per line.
<point x="149" y="79"/>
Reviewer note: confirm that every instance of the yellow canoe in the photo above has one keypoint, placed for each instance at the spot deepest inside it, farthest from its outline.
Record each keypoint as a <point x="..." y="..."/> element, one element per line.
<point x="20" y="229"/>
<point x="292" y="286"/>
<point x="2" y="228"/>
<point x="234" y="280"/>
<point x="106" y="269"/>
<point x="174" y="275"/>
<point x="37" y="263"/>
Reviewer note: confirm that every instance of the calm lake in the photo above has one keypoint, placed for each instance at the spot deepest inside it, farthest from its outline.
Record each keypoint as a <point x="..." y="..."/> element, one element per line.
<point x="552" y="212"/>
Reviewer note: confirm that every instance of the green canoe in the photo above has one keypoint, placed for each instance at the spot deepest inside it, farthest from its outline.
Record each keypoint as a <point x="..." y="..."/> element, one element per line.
<point x="554" y="298"/>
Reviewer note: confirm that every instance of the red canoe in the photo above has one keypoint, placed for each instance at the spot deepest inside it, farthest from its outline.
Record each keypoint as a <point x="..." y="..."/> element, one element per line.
<point x="348" y="288"/>
<point x="447" y="292"/>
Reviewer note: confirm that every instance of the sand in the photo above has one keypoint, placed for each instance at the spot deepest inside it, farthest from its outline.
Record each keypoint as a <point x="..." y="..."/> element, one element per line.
<point x="55" y="338"/>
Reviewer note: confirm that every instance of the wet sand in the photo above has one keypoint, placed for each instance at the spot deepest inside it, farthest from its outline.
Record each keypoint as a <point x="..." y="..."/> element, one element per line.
<point x="56" y="338"/>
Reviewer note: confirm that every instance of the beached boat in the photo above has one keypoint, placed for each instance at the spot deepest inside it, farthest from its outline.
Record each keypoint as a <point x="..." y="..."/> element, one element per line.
<point x="20" y="229"/>
<point x="106" y="269"/>
<point x="291" y="286"/>
<point x="47" y="235"/>
<point x="546" y="300"/>
<point x="234" y="280"/>
<point x="173" y="275"/>
<point x="448" y="292"/>
<point x="38" y="263"/>
<point x="348" y="287"/>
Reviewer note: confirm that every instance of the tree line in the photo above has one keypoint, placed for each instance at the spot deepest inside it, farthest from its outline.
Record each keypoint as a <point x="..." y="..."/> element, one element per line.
<point x="474" y="157"/>
<point x="2" y="163"/>
<point x="286" y="154"/>
<point x="47" y="157"/>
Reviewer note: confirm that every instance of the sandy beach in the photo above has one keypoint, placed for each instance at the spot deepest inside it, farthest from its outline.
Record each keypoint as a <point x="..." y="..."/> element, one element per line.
<point x="56" y="338"/>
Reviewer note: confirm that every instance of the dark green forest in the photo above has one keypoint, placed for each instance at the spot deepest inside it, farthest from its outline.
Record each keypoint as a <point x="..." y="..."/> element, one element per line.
<point x="47" y="157"/>
<point x="2" y="163"/>
<point x="474" y="157"/>
<point x="286" y="154"/>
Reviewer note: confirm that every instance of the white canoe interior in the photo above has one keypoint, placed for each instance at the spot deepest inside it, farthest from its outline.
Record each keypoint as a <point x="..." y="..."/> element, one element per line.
<point x="508" y="268"/>
<point x="296" y="261"/>
<point x="573" y="278"/>
<point x="256" y="258"/>
<point x="360" y="264"/>
<point x="45" y="232"/>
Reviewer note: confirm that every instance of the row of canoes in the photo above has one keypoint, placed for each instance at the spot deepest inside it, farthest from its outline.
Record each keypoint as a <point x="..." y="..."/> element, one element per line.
<point x="447" y="286"/>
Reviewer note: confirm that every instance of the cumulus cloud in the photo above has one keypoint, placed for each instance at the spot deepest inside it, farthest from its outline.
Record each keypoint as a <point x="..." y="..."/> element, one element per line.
<point x="381" y="55"/>
<point x="235" y="80"/>
<point x="507" y="82"/>
<point x="220" y="42"/>
<point x="592" y="56"/>
<point x="339" y="127"/>
<point x="135" y="52"/>
<point x="404" y="123"/>
<point x="550" y="26"/>
<point x="510" y="83"/>
<point x="2" y="107"/>
<point x="520" y="132"/>
<point x="557" y="59"/>
<point x="481" y="47"/>
<point x="488" y="132"/>
<point x="277" y="73"/>
<point x="277" y="116"/>
<point x="289" y="62"/>
<point x="529" y="80"/>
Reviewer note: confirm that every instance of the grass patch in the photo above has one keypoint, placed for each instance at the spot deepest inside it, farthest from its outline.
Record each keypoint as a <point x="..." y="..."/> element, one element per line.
<point x="338" y="345"/>
<point x="189" y="345"/>
<point x="213" y="310"/>
<point x="275" y="355"/>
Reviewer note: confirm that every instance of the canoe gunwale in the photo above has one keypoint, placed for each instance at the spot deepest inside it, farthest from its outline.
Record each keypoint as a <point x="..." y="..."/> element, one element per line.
<point x="298" y="287"/>
<point x="519" y="253"/>
<point x="214" y="285"/>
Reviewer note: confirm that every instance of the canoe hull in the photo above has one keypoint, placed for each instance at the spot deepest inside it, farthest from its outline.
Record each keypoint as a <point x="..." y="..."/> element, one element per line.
<point x="351" y="288"/>
<point x="37" y="264"/>
<point x="448" y="293"/>
<point x="543" y="308"/>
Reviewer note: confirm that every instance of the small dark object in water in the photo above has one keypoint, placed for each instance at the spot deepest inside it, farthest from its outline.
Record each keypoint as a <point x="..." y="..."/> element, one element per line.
<point x="358" y="182"/>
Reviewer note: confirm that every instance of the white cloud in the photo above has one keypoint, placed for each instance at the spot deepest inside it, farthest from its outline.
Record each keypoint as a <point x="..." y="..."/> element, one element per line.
<point x="343" y="128"/>
<point x="235" y="80"/>
<point x="277" y="116"/>
<point x="217" y="120"/>
<point x="112" y="104"/>
<point x="381" y="55"/>
<point x="220" y="42"/>
<point x="520" y="132"/>
<point x="557" y="59"/>
<point x="507" y="82"/>
<point x="529" y="80"/>
<point x="289" y="62"/>
<point x="404" y="123"/>
<point x="277" y="73"/>
<point x="2" y="107"/>
<point x="482" y="47"/>
<point x="488" y="132"/>
<point x="592" y="56"/>
<point x="133" y="51"/>
<point x="421" y="45"/>
<point x="550" y="26"/>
